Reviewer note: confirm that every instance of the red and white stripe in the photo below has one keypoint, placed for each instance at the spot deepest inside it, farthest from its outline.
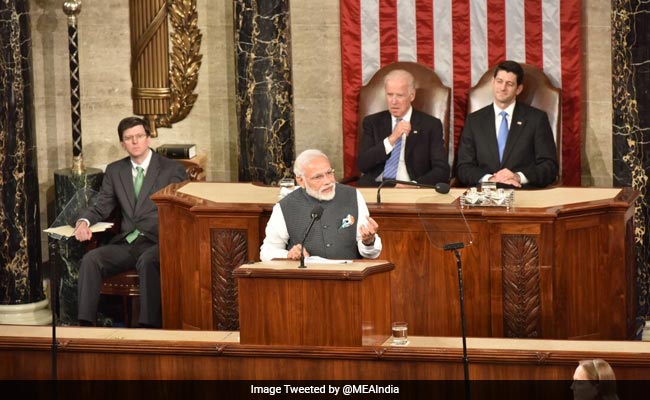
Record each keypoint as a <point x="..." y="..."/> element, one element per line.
<point x="460" y="40"/>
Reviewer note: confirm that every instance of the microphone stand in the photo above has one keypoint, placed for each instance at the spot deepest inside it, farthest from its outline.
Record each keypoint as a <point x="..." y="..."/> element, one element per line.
<point x="54" y="299"/>
<point x="314" y="217"/>
<point x="455" y="247"/>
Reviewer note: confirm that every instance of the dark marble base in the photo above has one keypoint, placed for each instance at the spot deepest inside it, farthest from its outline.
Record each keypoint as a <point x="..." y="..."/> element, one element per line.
<point x="73" y="193"/>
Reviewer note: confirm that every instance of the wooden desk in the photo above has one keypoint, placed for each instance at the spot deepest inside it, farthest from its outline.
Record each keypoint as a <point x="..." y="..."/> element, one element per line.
<point x="560" y="265"/>
<point x="160" y="355"/>
<point x="322" y="305"/>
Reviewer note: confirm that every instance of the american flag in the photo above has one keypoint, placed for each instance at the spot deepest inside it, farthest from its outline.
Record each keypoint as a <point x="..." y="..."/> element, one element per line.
<point x="460" y="40"/>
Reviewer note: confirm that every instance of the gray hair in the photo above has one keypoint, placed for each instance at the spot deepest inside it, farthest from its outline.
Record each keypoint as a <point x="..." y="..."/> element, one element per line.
<point x="305" y="158"/>
<point x="401" y="74"/>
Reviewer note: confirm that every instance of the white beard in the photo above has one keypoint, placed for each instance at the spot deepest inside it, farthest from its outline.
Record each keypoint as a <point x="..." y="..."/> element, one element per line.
<point x="319" y="195"/>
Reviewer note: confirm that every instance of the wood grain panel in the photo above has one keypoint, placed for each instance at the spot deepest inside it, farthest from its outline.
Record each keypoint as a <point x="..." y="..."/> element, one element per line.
<point x="319" y="308"/>
<point x="229" y="251"/>
<point x="164" y="359"/>
<point x="585" y="268"/>
<point x="521" y="289"/>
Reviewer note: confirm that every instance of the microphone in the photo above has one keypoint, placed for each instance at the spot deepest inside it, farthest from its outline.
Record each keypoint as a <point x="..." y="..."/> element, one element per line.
<point x="441" y="187"/>
<point x="316" y="213"/>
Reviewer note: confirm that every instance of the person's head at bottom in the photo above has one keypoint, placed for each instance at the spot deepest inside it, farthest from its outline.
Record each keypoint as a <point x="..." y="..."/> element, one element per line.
<point x="594" y="379"/>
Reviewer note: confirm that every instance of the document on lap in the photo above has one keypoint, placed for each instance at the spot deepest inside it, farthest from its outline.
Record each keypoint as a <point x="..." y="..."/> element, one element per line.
<point x="68" y="231"/>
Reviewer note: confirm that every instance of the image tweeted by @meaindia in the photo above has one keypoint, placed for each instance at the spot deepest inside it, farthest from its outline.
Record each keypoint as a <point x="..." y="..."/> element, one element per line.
<point x="334" y="390"/>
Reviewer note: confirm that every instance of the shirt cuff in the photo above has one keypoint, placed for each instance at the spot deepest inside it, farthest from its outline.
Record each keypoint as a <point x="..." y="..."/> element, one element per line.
<point x="522" y="178"/>
<point x="387" y="146"/>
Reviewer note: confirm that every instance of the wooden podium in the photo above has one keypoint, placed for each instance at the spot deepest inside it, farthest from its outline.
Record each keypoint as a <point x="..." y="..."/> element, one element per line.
<point x="321" y="305"/>
<point x="558" y="265"/>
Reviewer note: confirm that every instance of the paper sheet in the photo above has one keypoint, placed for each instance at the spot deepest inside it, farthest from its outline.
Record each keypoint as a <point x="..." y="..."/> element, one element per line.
<point x="68" y="231"/>
<point x="321" y="260"/>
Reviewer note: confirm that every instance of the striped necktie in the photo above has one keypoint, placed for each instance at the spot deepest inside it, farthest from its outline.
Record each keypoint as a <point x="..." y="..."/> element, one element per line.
<point x="390" y="168"/>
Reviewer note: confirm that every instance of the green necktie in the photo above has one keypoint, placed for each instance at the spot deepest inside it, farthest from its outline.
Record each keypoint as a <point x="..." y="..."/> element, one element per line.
<point x="137" y="185"/>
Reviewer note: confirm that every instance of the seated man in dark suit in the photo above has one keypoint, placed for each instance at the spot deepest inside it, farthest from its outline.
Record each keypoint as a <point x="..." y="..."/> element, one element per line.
<point x="344" y="230"/>
<point x="402" y="143"/>
<point x="128" y="185"/>
<point x="507" y="142"/>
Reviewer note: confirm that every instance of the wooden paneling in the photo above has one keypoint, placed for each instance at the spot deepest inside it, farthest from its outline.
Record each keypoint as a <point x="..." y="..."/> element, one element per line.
<point x="570" y="268"/>
<point x="164" y="356"/>
<point x="314" y="307"/>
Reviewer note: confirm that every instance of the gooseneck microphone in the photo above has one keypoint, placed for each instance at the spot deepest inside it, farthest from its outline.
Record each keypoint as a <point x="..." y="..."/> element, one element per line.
<point x="316" y="213"/>
<point x="439" y="187"/>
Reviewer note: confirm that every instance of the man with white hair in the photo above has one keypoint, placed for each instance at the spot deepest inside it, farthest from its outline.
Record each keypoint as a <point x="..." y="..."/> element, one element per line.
<point x="402" y="143"/>
<point x="344" y="230"/>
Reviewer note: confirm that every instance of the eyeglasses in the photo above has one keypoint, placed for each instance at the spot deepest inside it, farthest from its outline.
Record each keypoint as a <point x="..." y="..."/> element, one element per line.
<point x="137" y="137"/>
<point x="319" y="177"/>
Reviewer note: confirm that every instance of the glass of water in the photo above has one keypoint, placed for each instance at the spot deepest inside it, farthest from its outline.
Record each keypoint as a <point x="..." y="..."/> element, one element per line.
<point x="287" y="185"/>
<point x="400" y="333"/>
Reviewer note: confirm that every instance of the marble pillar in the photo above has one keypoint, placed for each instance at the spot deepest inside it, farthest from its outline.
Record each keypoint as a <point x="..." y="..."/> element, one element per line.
<point x="631" y="120"/>
<point x="264" y="99"/>
<point x="20" y="239"/>
<point x="73" y="193"/>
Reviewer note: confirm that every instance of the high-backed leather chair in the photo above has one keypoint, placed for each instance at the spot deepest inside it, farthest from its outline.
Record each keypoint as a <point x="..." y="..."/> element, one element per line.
<point x="431" y="97"/>
<point x="538" y="92"/>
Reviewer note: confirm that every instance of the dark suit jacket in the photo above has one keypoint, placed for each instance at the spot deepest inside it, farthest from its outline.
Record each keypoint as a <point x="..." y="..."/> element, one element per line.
<point x="530" y="147"/>
<point x="425" y="156"/>
<point x="117" y="190"/>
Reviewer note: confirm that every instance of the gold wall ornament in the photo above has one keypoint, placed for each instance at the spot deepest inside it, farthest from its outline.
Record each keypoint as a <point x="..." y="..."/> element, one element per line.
<point x="164" y="93"/>
<point x="186" y="61"/>
<point x="149" y="59"/>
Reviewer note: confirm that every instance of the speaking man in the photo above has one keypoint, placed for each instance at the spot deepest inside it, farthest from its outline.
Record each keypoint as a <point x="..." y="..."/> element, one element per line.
<point x="344" y="229"/>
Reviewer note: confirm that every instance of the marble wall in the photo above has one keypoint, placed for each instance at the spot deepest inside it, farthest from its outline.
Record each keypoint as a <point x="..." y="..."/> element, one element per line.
<point x="631" y="79"/>
<point x="212" y="124"/>
<point x="264" y="90"/>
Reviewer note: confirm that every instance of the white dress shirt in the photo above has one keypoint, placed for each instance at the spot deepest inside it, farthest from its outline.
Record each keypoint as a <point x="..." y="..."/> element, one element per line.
<point x="497" y="124"/>
<point x="277" y="235"/>
<point x="402" y="173"/>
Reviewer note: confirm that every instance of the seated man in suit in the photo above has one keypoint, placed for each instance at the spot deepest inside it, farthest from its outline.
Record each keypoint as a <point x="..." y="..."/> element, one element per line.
<point x="507" y="142"/>
<point x="127" y="184"/>
<point x="402" y="143"/>
<point x="344" y="230"/>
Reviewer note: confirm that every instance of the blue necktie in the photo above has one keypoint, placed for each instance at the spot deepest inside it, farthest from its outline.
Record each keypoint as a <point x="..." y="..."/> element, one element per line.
<point x="390" y="168"/>
<point x="502" y="136"/>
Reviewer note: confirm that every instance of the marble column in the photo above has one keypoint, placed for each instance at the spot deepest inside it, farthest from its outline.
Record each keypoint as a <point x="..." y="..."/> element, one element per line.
<point x="631" y="119"/>
<point x="20" y="239"/>
<point x="73" y="193"/>
<point x="264" y="90"/>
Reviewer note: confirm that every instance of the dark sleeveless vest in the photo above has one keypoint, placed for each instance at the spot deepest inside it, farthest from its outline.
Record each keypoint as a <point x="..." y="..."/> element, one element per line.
<point x="334" y="235"/>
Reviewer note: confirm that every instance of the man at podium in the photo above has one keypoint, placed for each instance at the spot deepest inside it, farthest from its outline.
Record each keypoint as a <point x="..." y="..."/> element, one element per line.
<point x="332" y="219"/>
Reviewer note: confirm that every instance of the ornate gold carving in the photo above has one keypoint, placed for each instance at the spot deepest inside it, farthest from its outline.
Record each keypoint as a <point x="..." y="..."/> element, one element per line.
<point x="229" y="250"/>
<point x="521" y="292"/>
<point x="186" y="61"/>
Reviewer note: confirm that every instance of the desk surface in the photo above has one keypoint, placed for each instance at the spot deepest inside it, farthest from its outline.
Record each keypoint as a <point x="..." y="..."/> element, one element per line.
<point x="415" y="342"/>
<point x="255" y="194"/>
